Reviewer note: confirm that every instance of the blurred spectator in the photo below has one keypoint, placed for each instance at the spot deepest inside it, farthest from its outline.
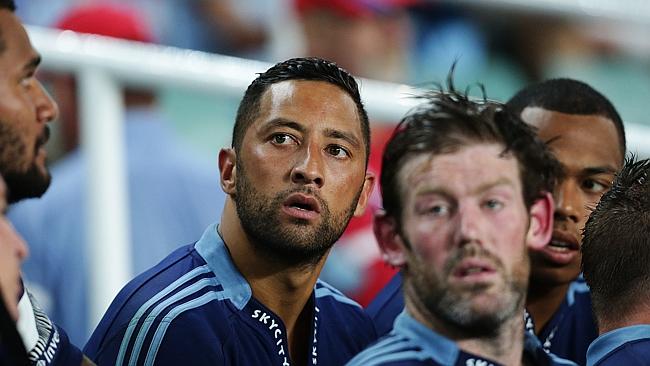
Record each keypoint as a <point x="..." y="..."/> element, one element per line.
<point x="369" y="38"/>
<point x="173" y="194"/>
<point x="229" y="27"/>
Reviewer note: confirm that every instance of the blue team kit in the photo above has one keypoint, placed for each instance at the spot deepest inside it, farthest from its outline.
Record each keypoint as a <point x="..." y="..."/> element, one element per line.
<point x="623" y="346"/>
<point x="412" y="343"/>
<point x="567" y="335"/>
<point x="195" y="308"/>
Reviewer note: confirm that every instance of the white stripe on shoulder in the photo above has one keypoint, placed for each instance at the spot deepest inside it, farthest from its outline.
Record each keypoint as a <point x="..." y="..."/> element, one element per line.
<point x="167" y="320"/>
<point x="143" y="309"/>
<point x="158" y="310"/>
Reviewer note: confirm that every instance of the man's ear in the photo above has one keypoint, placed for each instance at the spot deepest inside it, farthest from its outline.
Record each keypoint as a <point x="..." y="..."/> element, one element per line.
<point x="541" y="222"/>
<point x="228" y="170"/>
<point x="366" y="191"/>
<point x="390" y="242"/>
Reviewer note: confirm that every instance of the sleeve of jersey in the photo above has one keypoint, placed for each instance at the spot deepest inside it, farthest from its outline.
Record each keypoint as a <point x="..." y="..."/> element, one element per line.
<point x="388" y="304"/>
<point x="160" y="343"/>
<point x="53" y="346"/>
<point x="130" y="337"/>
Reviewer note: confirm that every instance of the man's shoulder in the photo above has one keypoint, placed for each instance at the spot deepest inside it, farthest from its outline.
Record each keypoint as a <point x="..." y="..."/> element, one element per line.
<point x="635" y="352"/>
<point x="337" y="306"/>
<point x="387" y="305"/>
<point x="396" y="349"/>
<point x="623" y="346"/>
<point x="142" y="313"/>
<point x="342" y="324"/>
<point x="392" y="349"/>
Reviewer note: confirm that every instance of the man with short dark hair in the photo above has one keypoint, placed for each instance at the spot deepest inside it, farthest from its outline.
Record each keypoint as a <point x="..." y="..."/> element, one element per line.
<point x="465" y="189"/>
<point x="25" y="110"/>
<point x="585" y="133"/>
<point x="172" y="195"/>
<point x="615" y="256"/>
<point x="247" y="293"/>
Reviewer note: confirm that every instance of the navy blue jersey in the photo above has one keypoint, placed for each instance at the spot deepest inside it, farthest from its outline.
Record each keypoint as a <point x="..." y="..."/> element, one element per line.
<point x="412" y="343"/>
<point x="624" y="346"/>
<point x="195" y="308"/>
<point x="572" y="328"/>
<point x="567" y="335"/>
<point x="387" y="305"/>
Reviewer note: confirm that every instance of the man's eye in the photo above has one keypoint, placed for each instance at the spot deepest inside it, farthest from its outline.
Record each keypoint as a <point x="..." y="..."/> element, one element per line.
<point x="26" y="81"/>
<point x="337" y="151"/>
<point x="281" y="139"/>
<point x="493" y="204"/>
<point x="438" y="210"/>
<point x="593" y="186"/>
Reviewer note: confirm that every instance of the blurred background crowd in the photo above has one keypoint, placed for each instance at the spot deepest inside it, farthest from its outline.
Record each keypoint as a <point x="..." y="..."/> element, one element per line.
<point x="504" y="45"/>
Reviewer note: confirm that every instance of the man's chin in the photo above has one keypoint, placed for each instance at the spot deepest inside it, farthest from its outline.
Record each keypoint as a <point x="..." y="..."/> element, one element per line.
<point x="552" y="274"/>
<point x="31" y="184"/>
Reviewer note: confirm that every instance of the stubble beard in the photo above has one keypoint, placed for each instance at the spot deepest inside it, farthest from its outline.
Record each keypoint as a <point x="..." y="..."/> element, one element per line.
<point x="21" y="182"/>
<point x="296" y="243"/>
<point x="456" y="308"/>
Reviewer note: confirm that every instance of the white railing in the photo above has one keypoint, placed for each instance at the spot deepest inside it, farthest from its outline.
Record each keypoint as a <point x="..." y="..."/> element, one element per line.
<point x="103" y="65"/>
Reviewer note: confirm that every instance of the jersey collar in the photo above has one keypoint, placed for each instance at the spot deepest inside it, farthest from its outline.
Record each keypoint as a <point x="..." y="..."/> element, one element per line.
<point x="608" y="342"/>
<point x="215" y="253"/>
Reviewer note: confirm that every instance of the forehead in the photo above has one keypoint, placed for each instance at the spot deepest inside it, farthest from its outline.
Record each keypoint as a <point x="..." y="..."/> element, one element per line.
<point x="461" y="172"/>
<point x="590" y="140"/>
<point x="315" y="103"/>
<point x="18" y="50"/>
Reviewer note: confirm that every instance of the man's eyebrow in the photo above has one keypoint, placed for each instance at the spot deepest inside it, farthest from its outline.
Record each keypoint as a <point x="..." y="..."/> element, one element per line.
<point x="283" y="122"/>
<point x="599" y="170"/>
<point x="338" y="134"/>
<point x="503" y="181"/>
<point x="33" y="63"/>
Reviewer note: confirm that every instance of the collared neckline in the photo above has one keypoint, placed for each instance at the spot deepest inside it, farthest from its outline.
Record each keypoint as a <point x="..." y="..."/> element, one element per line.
<point x="442" y="350"/>
<point x="213" y="250"/>
<point x="610" y="341"/>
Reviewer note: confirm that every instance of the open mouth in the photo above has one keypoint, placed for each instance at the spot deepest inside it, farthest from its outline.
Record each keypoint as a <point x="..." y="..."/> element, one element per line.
<point x="43" y="138"/>
<point x="302" y="202"/>
<point x="563" y="242"/>
<point x="473" y="268"/>
<point x="562" y="249"/>
<point x="562" y="246"/>
<point x="302" y="206"/>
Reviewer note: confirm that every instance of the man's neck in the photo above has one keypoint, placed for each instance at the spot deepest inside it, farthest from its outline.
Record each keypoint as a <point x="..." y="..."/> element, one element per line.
<point x="543" y="301"/>
<point x="506" y="346"/>
<point x="639" y="314"/>
<point x="282" y="288"/>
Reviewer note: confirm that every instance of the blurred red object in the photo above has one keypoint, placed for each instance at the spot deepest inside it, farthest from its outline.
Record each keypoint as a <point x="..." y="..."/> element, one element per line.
<point x="112" y="20"/>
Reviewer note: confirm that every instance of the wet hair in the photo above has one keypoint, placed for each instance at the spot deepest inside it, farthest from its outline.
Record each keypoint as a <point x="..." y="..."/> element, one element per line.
<point x="616" y="243"/>
<point x="304" y="68"/>
<point x="571" y="97"/>
<point x="447" y="121"/>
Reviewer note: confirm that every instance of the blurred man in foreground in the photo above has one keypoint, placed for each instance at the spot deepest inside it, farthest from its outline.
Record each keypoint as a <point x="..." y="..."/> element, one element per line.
<point x="465" y="187"/>
<point x="585" y="133"/>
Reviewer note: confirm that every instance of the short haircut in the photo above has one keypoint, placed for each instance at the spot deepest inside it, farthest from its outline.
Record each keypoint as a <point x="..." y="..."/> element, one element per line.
<point x="571" y="97"/>
<point x="616" y="243"/>
<point x="8" y="4"/>
<point x="448" y="121"/>
<point x="305" y="68"/>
